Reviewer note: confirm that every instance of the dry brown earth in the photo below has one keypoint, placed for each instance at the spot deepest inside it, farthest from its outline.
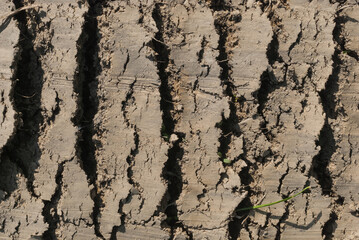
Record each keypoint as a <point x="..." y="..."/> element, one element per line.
<point x="151" y="119"/>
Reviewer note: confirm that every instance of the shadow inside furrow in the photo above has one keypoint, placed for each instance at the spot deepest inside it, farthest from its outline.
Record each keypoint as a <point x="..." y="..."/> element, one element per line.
<point x="85" y="86"/>
<point x="326" y="139"/>
<point x="268" y="81"/>
<point x="229" y="127"/>
<point x="23" y="149"/>
<point x="172" y="170"/>
<point x="50" y="209"/>
<point x="320" y="162"/>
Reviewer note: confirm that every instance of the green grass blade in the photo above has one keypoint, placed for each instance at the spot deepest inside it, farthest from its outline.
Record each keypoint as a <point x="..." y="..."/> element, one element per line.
<point x="272" y="203"/>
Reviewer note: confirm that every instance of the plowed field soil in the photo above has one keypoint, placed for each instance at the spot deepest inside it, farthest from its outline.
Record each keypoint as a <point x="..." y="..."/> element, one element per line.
<point x="154" y="119"/>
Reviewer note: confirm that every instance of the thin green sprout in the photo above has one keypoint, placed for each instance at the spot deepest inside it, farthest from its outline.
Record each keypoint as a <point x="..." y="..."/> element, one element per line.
<point x="227" y="161"/>
<point x="270" y="204"/>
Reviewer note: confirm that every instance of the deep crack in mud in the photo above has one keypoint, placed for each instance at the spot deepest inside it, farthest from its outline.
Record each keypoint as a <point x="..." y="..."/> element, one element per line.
<point x="172" y="171"/>
<point x="50" y="211"/>
<point x="85" y="87"/>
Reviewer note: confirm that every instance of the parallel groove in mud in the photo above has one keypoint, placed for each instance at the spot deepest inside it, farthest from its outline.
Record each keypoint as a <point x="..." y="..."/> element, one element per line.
<point x="121" y="108"/>
<point x="226" y="125"/>
<point x="341" y="104"/>
<point x="87" y="58"/>
<point x="243" y="107"/>
<point x="49" y="212"/>
<point x="326" y="138"/>
<point x="200" y="95"/>
<point x="229" y="126"/>
<point x="54" y="182"/>
<point x="20" y="206"/>
<point x="287" y="74"/>
<point x="128" y="124"/>
<point x="26" y="94"/>
<point x="23" y="150"/>
<point x="171" y="172"/>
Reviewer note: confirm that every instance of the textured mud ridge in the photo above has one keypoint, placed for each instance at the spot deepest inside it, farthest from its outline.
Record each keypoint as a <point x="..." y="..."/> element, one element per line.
<point x="160" y="119"/>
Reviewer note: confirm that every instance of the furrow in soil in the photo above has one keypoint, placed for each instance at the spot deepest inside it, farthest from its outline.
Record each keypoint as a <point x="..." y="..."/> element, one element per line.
<point x="343" y="165"/>
<point x="85" y="87"/>
<point x="170" y="113"/>
<point x="55" y="40"/>
<point x="154" y="119"/>
<point x="51" y="216"/>
<point x="207" y="199"/>
<point x="130" y="152"/>
<point x="246" y="56"/>
<point x="293" y="119"/>
<point x="20" y="212"/>
<point x="233" y="147"/>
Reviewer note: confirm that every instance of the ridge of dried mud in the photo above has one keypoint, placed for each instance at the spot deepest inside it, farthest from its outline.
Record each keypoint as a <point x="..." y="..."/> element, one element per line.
<point x="117" y="117"/>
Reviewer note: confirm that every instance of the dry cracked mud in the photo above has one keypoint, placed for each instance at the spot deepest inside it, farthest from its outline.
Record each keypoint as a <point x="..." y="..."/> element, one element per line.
<point x="153" y="119"/>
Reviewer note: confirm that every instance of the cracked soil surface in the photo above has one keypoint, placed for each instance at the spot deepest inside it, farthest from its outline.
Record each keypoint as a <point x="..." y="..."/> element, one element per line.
<point x="154" y="119"/>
